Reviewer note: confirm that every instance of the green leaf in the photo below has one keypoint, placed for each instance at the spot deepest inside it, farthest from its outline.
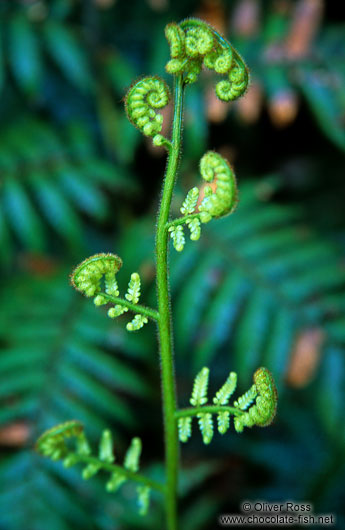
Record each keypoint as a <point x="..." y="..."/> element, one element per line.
<point x="6" y="249"/>
<point x="83" y="193"/>
<point x="326" y="103"/>
<point x="220" y="316"/>
<point x="107" y="367"/>
<point x="21" y="214"/>
<point x="2" y="69"/>
<point x="24" y="53"/>
<point x="57" y="210"/>
<point x="86" y="388"/>
<point x="68" y="52"/>
<point x="194" y="298"/>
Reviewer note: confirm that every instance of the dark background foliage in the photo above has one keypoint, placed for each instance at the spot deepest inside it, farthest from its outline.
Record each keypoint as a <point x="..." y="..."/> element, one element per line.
<point x="262" y="287"/>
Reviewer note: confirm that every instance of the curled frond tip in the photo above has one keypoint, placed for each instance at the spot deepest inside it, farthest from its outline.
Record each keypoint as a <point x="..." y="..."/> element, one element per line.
<point x="86" y="277"/>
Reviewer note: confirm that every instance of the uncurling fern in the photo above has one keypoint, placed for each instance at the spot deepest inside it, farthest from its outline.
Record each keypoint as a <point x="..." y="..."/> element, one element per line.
<point x="68" y="442"/>
<point x="256" y="407"/>
<point x="193" y="45"/>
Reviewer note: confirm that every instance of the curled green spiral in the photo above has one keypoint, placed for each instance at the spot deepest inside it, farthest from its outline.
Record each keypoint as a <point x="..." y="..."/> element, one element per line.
<point x="193" y="44"/>
<point x="52" y="443"/>
<point x="266" y="402"/>
<point x="263" y="411"/>
<point x="87" y="276"/>
<point x="222" y="201"/>
<point x="142" y="100"/>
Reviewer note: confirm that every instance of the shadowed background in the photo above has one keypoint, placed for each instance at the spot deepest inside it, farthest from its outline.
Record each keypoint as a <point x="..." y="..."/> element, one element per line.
<point x="264" y="286"/>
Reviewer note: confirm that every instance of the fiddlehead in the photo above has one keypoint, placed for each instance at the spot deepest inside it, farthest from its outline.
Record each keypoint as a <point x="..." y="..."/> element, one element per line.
<point x="263" y="411"/>
<point x="220" y="198"/>
<point x="87" y="278"/>
<point x="143" y="99"/>
<point x="193" y="44"/>
<point x="246" y="413"/>
<point x="222" y="201"/>
<point x="67" y="442"/>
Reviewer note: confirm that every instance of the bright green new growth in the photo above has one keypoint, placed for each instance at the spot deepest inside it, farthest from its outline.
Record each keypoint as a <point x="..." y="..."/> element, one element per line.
<point x="214" y="168"/>
<point x="193" y="45"/>
<point x="261" y="413"/>
<point x="106" y="447"/>
<point x="199" y="394"/>
<point x="190" y="201"/>
<point x="177" y="235"/>
<point x="87" y="278"/>
<point x="67" y="442"/>
<point x="133" y="455"/>
<point x="247" y="399"/>
<point x="133" y="293"/>
<point x="143" y="98"/>
<point x="225" y="392"/>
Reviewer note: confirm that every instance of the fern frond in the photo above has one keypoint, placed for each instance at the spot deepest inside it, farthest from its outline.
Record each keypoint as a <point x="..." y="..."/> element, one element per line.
<point x="61" y="443"/>
<point x="143" y="499"/>
<point x="225" y="392"/>
<point x="246" y="399"/>
<point x="206" y="427"/>
<point x="223" y="420"/>
<point x="184" y="428"/>
<point x="261" y="413"/>
<point x="199" y="394"/>
<point x="190" y="201"/>
<point x="87" y="278"/>
<point x="106" y="450"/>
<point x="137" y="323"/>
<point x="133" y="293"/>
<point x="194" y="43"/>
<point x="177" y="235"/>
<point x="115" y="482"/>
<point x="133" y="455"/>
<point x="116" y="311"/>
<point x="195" y="228"/>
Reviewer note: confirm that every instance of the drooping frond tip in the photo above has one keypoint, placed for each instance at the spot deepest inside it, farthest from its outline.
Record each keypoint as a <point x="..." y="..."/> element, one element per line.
<point x="52" y="443"/>
<point x="194" y="44"/>
<point x="264" y="409"/>
<point x="86" y="277"/>
<point x="221" y="198"/>
<point x="217" y="198"/>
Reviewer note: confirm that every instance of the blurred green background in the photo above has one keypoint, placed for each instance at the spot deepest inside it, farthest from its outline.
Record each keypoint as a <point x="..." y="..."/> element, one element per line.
<point x="264" y="286"/>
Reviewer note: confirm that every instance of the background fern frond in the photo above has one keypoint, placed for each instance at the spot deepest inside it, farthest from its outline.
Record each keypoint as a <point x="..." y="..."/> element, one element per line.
<point x="49" y="184"/>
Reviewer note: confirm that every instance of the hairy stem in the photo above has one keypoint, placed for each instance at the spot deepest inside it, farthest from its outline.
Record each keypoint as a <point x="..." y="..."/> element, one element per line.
<point x="164" y="322"/>
<point x="136" y="308"/>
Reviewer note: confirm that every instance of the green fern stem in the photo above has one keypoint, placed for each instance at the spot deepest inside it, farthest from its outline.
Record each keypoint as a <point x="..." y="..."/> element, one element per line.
<point x="130" y="475"/>
<point x="212" y="409"/>
<point x="164" y="322"/>
<point x="136" y="308"/>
